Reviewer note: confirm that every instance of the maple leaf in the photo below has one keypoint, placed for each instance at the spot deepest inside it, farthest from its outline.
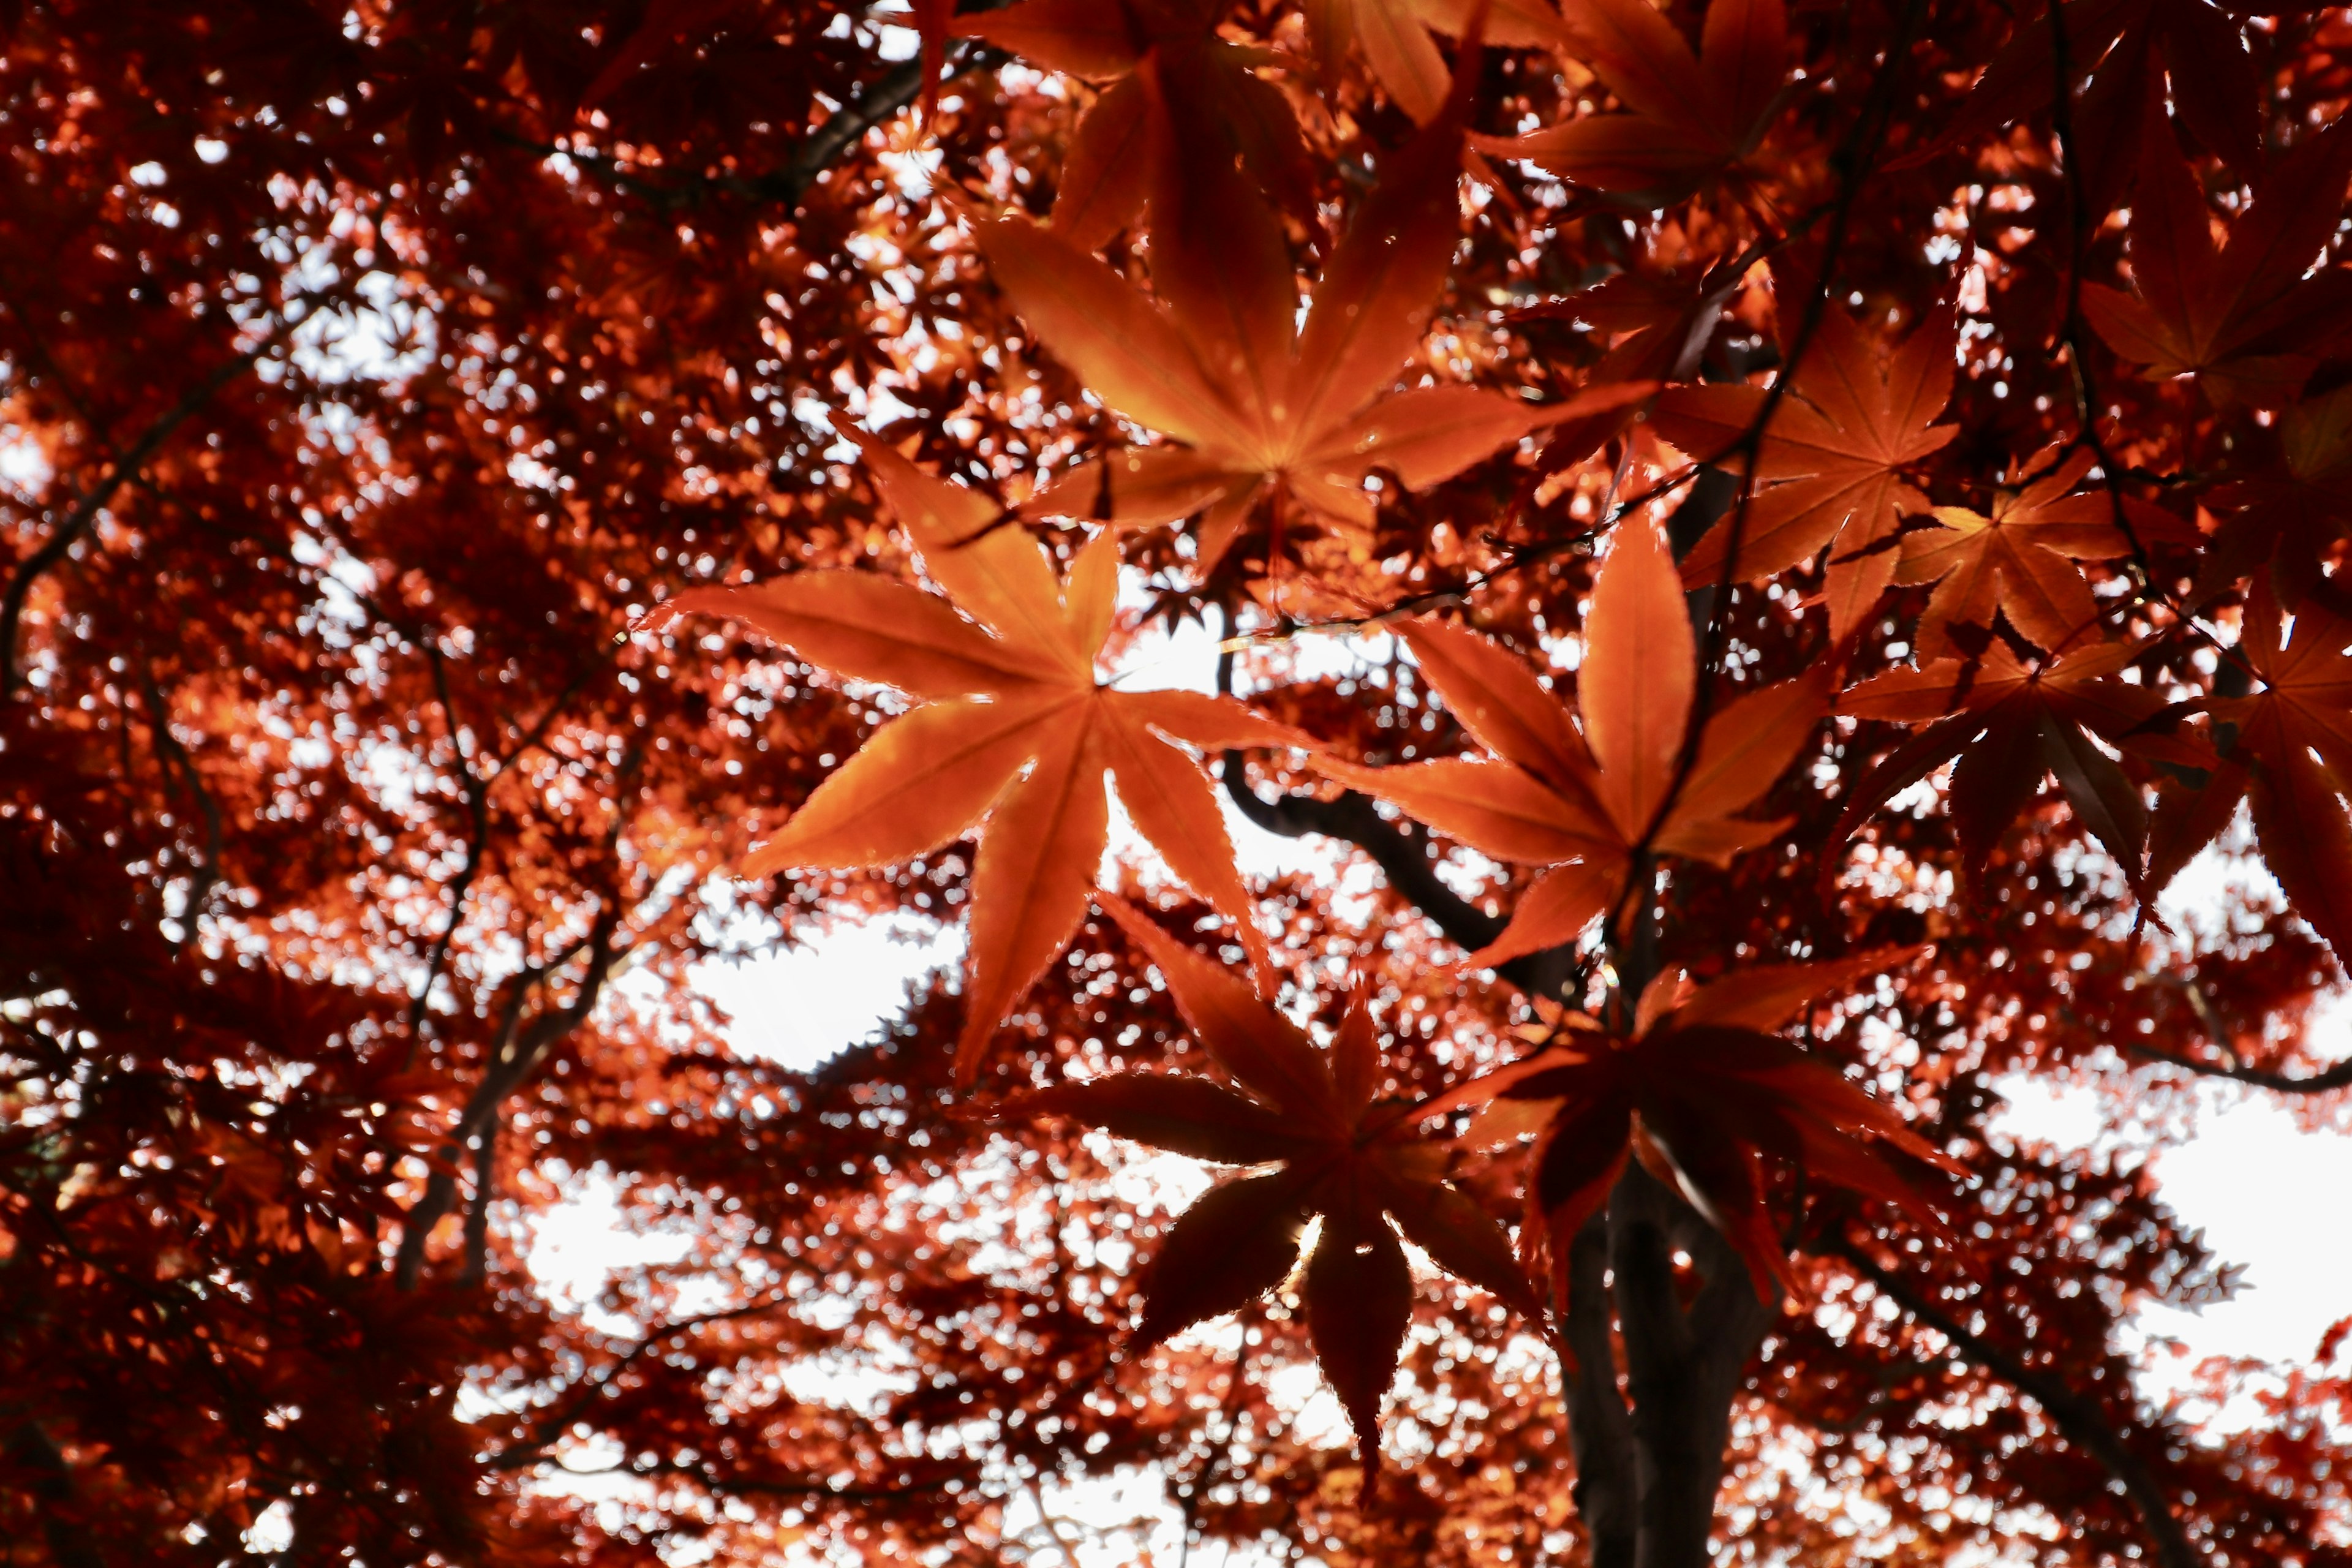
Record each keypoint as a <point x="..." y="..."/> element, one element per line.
<point x="1692" y="116"/>
<point x="2240" y="317"/>
<point x="1700" y="1092"/>
<point x="1340" y="1152"/>
<point x="1013" y="725"/>
<point x="2288" y="521"/>
<point x="2019" y="560"/>
<point x="1854" y="418"/>
<point x="2010" y="725"/>
<point x="1263" y="408"/>
<point x="1394" y="35"/>
<point x="1660" y="326"/>
<point x="1130" y="45"/>
<point x="2138" y="56"/>
<point x="1582" y="801"/>
<point x="2289" y="752"/>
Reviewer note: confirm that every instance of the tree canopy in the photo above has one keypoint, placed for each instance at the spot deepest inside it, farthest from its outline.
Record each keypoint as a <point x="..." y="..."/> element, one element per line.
<point x="1757" y="541"/>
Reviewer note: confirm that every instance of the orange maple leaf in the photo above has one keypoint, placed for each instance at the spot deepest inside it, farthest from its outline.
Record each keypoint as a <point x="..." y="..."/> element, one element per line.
<point x="1127" y="44"/>
<point x="1340" y="1152"/>
<point x="2019" y="560"/>
<point x="2239" y="317"/>
<point x="1700" y="1092"/>
<point x="2010" y="725"/>
<point x="1263" y="407"/>
<point x="1658" y="325"/>
<point x="1394" y="35"/>
<point x="1013" y="725"/>
<point x="2139" y="55"/>
<point x="1854" y="418"/>
<point x="2291" y="752"/>
<point x="1581" y="801"/>
<point x="2289" y="521"/>
<point x="1692" y="116"/>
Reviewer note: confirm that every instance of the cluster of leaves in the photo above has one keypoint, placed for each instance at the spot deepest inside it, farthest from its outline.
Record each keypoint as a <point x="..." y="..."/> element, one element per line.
<point x="1824" y="511"/>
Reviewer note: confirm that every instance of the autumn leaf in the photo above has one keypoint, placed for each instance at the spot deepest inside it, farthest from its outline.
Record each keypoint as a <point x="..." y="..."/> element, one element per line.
<point x="1339" y="1151"/>
<point x="2240" y="316"/>
<point x="2288" y="518"/>
<point x="1853" y="419"/>
<point x="1263" y="410"/>
<point x="1690" y="117"/>
<point x="1126" y="46"/>
<point x="2289" y="752"/>
<point x="1580" y="799"/>
<point x="2136" y="57"/>
<point x="1394" y="36"/>
<point x="2019" y="562"/>
<point x="2010" y="725"/>
<point x="1013" y="726"/>
<point x="1658" y="326"/>
<point x="1701" y="1093"/>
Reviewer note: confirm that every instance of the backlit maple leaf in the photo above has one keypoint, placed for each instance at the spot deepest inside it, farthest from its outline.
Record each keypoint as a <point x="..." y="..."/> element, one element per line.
<point x="1581" y="800"/>
<point x="2140" y="56"/>
<point x="1339" y="1151"/>
<point x="2010" y="725"/>
<point x="1657" y="327"/>
<point x="1691" y="116"/>
<point x="2291" y="753"/>
<point x="2019" y="560"/>
<point x="1854" y="417"/>
<point x="1127" y="44"/>
<point x="1701" y="1093"/>
<point x="1395" y="38"/>
<point x="2240" y="317"/>
<point x="1264" y="408"/>
<point x="2288" y="522"/>
<point x="1013" y="725"/>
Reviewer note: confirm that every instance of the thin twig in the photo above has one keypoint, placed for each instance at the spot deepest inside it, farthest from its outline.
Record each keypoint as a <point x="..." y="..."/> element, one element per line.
<point x="478" y="811"/>
<point x="2323" y="1081"/>
<point x="1857" y="156"/>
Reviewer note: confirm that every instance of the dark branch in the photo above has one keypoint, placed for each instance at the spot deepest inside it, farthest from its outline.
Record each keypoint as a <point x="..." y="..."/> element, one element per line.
<point x="1599" y="1427"/>
<point x="1683" y="1364"/>
<point x="519" y="1049"/>
<point x="84" y="513"/>
<point x="2321" y="1082"/>
<point x="2080" y="1420"/>
<point x="477" y="1248"/>
<point x="552" y="1421"/>
<point x="477" y="812"/>
<point x="1402" y="850"/>
<point x="2229" y="1067"/>
<point x="825" y="145"/>
<point x="175" y="759"/>
<point x="71" y="1543"/>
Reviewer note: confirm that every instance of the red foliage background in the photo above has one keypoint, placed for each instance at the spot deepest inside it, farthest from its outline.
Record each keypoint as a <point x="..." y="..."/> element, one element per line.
<point x="368" y="372"/>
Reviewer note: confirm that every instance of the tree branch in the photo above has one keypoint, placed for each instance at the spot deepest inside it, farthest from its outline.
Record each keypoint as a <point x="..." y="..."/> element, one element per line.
<point x="1599" y="1427"/>
<point x="520" y="1048"/>
<point x="1683" y="1365"/>
<point x="823" y="147"/>
<point x="2079" y="1419"/>
<point x="70" y="1542"/>
<point x="552" y="1423"/>
<point x="477" y="1248"/>
<point x="2325" y="1081"/>
<point x="85" y="510"/>
<point x="2321" y="1082"/>
<point x="175" y="757"/>
<point x="477" y="810"/>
